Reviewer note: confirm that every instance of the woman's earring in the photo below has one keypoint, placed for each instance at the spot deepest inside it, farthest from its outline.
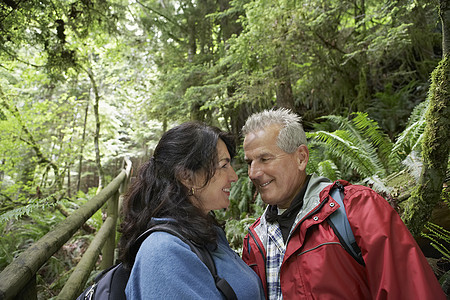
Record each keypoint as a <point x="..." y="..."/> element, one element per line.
<point x="192" y="191"/>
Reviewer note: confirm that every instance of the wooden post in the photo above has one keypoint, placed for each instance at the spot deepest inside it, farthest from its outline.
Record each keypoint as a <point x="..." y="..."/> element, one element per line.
<point x="112" y="210"/>
<point x="77" y="280"/>
<point x="110" y="244"/>
<point x="29" y="292"/>
<point x="124" y="185"/>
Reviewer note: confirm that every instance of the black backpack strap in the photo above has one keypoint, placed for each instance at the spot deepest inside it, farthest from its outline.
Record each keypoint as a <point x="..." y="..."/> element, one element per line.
<point x="221" y="284"/>
<point x="202" y="252"/>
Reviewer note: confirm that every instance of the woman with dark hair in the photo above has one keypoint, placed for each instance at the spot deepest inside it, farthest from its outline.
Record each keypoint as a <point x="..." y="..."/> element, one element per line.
<point x="189" y="175"/>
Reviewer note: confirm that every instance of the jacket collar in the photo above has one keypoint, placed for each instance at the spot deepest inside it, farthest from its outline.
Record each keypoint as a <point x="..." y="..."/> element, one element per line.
<point x="312" y="195"/>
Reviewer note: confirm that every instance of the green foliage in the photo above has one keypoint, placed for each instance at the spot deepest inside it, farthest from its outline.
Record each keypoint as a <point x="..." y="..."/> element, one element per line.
<point x="81" y="198"/>
<point x="341" y="56"/>
<point x="361" y="152"/>
<point x="236" y="230"/>
<point x="241" y="195"/>
<point x="157" y="64"/>
<point x="9" y="246"/>
<point x="411" y="138"/>
<point x="328" y="169"/>
<point x="17" y="235"/>
<point x="52" y="29"/>
<point x="341" y="143"/>
<point x="28" y="209"/>
<point x="358" y="146"/>
<point x="439" y="237"/>
<point x="394" y="102"/>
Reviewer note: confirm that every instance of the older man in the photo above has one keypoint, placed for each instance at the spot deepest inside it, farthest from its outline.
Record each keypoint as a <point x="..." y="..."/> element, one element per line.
<point x="293" y="246"/>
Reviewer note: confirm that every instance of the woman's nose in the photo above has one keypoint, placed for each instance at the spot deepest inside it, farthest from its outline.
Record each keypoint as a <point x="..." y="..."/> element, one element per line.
<point x="233" y="175"/>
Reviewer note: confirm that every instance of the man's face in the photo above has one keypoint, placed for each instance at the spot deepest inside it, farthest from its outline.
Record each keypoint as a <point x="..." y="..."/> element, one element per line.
<point x="277" y="175"/>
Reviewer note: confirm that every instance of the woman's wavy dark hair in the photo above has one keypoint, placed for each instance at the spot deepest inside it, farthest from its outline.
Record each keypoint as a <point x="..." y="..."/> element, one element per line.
<point x="157" y="191"/>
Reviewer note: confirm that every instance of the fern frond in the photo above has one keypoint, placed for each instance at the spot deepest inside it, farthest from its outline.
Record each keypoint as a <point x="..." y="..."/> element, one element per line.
<point x="328" y="169"/>
<point x="18" y="212"/>
<point x="377" y="183"/>
<point x="360" y="156"/>
<point x="414" y="164"/>
<point x="372" y="132"/>
<point x="367" y="133"/>
<point x="439" y="238"/>
<point x="418" y="112"/>
<point x="344" y="124"/>
<point x="411" y="138"/>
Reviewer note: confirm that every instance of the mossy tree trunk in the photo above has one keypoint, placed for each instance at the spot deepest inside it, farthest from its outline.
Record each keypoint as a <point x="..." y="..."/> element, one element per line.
<point x="436" y="143"/>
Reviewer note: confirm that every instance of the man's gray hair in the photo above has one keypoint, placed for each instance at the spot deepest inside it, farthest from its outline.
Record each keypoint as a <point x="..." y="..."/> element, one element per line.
<point x="291" y="134"/>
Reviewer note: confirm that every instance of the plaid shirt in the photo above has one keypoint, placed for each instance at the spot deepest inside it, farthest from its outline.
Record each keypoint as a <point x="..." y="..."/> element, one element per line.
<point x="275" y="249"/>
<point x="275" y="253"/>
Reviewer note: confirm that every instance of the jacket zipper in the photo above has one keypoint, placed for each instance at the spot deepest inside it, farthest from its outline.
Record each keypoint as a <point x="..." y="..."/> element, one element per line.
<point x="259" y="247"/>
<point x="306" y="217"/>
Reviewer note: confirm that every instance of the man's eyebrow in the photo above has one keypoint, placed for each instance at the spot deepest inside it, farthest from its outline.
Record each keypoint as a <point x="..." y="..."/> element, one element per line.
<point x="263" y="154"/>
<point x="258" y="156"/>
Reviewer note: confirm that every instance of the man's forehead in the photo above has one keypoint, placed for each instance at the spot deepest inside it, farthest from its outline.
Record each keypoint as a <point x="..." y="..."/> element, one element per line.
<point x="259" y="148"/>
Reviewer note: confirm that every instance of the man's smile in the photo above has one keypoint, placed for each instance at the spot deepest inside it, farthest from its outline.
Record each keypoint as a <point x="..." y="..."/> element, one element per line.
<point x="266" y="184"/>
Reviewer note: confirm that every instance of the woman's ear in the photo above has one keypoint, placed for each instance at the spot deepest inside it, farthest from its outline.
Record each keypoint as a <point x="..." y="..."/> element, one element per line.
<point x="185" y="177"/>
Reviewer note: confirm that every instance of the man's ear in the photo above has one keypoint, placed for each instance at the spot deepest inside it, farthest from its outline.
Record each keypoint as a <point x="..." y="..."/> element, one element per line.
<point x="302" y="157"/>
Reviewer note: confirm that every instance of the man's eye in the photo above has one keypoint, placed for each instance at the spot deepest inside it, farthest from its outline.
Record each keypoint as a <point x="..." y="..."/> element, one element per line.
<point x="263" y="159"/>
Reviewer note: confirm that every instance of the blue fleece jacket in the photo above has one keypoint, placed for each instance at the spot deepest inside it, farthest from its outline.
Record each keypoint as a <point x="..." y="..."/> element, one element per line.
<point x="166" y="268"/>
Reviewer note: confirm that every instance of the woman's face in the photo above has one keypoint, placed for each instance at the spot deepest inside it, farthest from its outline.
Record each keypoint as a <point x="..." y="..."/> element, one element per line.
<point x="216" y="193"/>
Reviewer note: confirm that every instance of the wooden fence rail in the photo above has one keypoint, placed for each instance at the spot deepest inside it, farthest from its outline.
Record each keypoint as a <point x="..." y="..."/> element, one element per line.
<point x="18" y="279"/>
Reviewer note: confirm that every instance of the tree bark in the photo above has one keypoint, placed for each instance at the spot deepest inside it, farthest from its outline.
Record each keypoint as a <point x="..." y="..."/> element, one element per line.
<point x="285" y="98"/>
<point x="444" y="14"/>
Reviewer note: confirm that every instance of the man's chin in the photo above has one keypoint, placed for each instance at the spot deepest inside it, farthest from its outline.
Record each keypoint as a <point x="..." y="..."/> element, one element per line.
<point x="269" y="200"/>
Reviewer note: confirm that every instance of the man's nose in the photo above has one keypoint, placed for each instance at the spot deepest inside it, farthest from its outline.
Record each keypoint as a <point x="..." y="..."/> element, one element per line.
<point x="253" y="171"/>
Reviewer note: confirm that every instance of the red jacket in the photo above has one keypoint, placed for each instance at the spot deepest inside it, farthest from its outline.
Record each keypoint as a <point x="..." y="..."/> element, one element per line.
<point x="315" y="265"/>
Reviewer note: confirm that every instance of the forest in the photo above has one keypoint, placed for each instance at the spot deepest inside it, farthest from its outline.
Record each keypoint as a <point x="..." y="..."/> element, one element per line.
<point x="87" y="83"/>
